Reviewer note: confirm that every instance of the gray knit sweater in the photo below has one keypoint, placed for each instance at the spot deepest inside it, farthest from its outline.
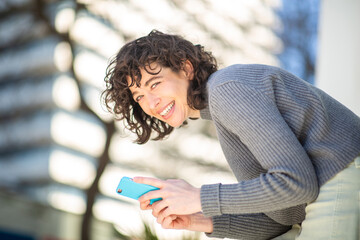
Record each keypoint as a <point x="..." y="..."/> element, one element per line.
<point x="283" y="138"/>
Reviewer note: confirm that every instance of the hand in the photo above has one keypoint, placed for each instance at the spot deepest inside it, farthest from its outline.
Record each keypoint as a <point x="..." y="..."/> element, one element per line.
<point x="194" y="222"/>
<point x="178" y="197"/>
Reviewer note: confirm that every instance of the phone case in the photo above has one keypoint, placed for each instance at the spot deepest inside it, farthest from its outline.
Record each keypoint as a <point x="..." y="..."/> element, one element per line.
<point x="128" y="188"/>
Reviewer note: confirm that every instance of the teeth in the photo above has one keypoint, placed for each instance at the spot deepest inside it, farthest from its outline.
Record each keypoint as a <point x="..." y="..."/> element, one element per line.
<point x="167" y="109"/>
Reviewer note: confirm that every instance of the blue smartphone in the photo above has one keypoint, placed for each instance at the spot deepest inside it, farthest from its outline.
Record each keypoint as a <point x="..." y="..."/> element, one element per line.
<point x="128" y="188"/>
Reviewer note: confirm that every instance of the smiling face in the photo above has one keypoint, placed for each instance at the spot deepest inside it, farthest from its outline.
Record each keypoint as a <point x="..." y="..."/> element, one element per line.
<point x="164" y="95"/>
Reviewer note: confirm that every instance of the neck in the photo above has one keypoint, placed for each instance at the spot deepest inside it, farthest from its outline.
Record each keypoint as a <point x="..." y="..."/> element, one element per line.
<point x="195" y="114"/>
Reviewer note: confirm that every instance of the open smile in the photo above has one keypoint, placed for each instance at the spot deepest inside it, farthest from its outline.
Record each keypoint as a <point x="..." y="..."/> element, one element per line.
<point x="165" y="112"/>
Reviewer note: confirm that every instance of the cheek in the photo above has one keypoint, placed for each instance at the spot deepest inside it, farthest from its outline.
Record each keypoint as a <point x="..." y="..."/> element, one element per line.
<point x="145" y="108"/>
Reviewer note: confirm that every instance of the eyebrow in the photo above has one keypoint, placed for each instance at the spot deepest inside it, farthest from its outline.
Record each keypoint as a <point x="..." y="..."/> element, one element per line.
<point x="148" y="82"/>
<point x="151" y="79"/>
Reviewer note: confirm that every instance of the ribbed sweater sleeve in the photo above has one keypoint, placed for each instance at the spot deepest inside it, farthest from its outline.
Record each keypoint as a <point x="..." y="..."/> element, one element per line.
<point x="246" y="227"/>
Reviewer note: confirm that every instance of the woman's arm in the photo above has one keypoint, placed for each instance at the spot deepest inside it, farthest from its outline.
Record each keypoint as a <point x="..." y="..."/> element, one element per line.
<point x="251" y="226"/>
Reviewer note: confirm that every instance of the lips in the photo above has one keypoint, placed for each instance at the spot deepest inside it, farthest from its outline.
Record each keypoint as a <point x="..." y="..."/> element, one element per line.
<point x="165" y="111"/>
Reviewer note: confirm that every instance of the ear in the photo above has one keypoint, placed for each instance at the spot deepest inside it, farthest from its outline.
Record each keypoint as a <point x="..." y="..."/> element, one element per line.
<point x="189" y="70"/>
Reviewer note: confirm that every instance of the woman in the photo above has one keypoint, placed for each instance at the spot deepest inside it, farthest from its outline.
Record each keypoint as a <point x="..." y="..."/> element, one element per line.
<point x="293" y="149"/>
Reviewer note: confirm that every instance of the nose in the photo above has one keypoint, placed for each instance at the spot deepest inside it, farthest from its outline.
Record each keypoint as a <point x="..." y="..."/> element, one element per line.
<point x="153" y="101"/>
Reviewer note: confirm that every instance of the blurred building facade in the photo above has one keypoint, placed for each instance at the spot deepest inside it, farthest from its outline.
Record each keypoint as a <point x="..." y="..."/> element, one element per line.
<point x="53" y="129"/>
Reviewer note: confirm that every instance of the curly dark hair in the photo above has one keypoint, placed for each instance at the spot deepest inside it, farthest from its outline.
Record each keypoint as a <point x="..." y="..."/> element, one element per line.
<point x="170" y="51"/>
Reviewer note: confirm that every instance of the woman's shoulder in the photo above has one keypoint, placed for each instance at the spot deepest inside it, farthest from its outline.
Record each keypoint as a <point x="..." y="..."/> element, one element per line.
<point x="242" y="73"/>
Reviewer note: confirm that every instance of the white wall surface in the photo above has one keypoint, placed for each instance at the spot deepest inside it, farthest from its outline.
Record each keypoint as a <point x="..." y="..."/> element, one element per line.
<point x="338" y="66"/>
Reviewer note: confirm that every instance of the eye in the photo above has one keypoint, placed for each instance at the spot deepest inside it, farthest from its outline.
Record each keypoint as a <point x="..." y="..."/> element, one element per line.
<point x="154" y="85"/>
<point x="138" y="98"/>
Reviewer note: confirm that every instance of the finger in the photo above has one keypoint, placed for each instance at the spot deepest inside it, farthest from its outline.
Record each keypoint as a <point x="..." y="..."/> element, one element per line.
<point x="159" y="219"/>
<point x="168" y="222"/>
<point x="150" y="195"/>
<point x="154" y="213"/>
<point x="160" y="215"/>
<point x="159" y="206"/>
<point x="150" y="181"/>
<point x="165" y="212"/>
<point x="145" y="205"/>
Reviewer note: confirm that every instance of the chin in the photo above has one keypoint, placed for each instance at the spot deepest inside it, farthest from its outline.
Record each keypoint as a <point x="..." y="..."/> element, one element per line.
<point x="175" y="124"/>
